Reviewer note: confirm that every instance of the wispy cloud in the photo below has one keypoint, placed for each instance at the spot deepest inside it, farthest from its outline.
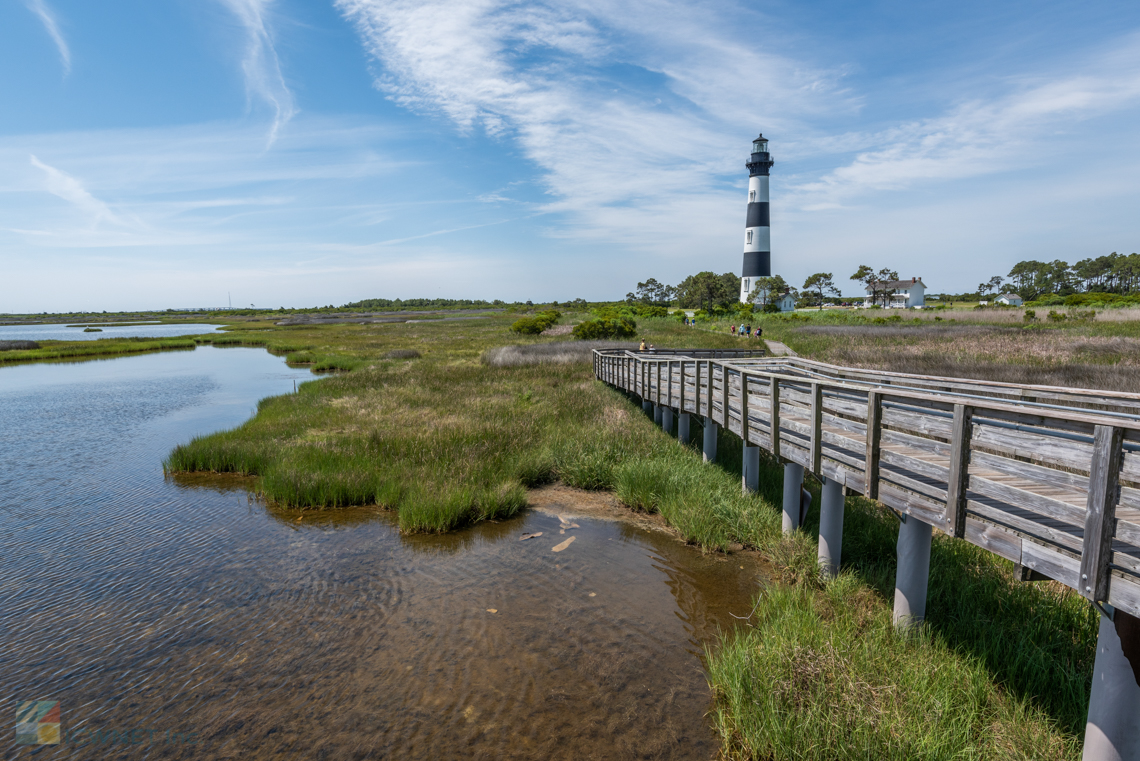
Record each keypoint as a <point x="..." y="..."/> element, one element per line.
<point x="261" y="65"/>
<point x="1034" y="120"/>
<point x="63" y="185"/>
<point x="627" y="111"/>
<point x="45" y="14"/>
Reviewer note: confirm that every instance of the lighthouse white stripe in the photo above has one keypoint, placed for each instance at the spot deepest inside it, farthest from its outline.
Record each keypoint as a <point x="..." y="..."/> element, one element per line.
<point x="761" y="239"/>
<point x="759" y="184"/>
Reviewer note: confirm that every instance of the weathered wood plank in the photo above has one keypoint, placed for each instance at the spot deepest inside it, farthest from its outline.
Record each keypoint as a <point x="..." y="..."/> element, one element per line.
<point x="1038" y="503"/>
<point x="774" y="416"/>
<point x="1030" y="527"/>
<point x="1100" y="516"/>
<point x="873" y="445"/>
<point x="816" y="425"/>
<point x="906" y="501"/>
<point x="993" y="538"/>
<point x="1051" y="563"/>
<point x="1028" y="471"/>
<point x="959" y="473"/>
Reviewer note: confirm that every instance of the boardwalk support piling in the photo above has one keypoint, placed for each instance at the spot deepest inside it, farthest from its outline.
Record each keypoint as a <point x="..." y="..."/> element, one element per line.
<point x="1113" y="729"/>
<point x="913" y="572"/>
<point x="750" y="472"/>
<point x="711" y="431"/>
<point x="831" y="527"/>
<point x="793" y="484"/>
<point x="658" y="411"/>
<point x="647" y="406"/>
<point x="683" y="428"/>
<point x="667" y="420"/>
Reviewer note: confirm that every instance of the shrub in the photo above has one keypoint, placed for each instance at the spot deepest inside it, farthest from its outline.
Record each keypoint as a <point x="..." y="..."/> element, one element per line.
<point x="1030" y="316"/>
<point x="537" y="324"/>
<point x="1055" y="316"/>
<point x="12" y="345"/>
<point x="593" y="330"/>
<point x="651" y="311"/>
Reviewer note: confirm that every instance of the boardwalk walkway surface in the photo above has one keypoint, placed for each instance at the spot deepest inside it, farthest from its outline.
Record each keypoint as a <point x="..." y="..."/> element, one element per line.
<point x="1046" y="477"/>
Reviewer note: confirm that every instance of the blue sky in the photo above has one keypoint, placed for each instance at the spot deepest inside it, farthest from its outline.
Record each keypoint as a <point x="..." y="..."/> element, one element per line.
<point x="306" y="153"/>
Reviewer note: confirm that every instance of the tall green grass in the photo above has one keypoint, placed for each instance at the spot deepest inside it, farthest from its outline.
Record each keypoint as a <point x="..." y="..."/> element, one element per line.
<point x="824" y="675"/>
<point x="99" y="348"/>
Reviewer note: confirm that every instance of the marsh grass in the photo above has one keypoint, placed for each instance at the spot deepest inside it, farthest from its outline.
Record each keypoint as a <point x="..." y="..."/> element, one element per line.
<point x="1103" y="355"/>
<point x="822" y="674"/>
<point x="75" y="351"/>
<point x="1000" y="670"/>
<point x="559" y="352"/>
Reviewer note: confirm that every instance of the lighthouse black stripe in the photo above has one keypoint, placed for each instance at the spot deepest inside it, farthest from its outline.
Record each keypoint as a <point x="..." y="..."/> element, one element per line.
<point x="757" y="264"/>
<point x="758" y="214"/>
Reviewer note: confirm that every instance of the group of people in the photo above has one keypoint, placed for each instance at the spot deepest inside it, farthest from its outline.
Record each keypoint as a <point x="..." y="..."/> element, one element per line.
<point x="690" y="322"/>
<point x="744" y="330"/>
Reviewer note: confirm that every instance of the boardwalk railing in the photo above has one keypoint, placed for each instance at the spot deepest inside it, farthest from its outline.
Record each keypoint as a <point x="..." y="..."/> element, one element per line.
<point x="1046" y="477"/>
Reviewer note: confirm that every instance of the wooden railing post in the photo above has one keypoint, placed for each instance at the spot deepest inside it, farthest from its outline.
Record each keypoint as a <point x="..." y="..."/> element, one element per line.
<point x="744" y="407"/>
<point x="724" y="397"/>
<point x="657" y="395"/>
<point x="669" y="396"/>
<point x="874" y="439"/>
<point x="1100" y="519"/>
<point x="682" y="386"/>
<point x="774" y="415"/>
<point x="709" y="390"/>
<point x="959" y="479"/>
<point x="816" y="427"/>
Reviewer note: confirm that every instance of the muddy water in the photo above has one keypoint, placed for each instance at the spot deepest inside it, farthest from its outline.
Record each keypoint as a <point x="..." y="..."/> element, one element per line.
<point x="180" y="619"/>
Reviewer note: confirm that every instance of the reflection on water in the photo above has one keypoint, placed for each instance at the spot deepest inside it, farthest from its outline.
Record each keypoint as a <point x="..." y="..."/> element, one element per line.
<point x="64" y="333"/>
<point x="196" y="623"/>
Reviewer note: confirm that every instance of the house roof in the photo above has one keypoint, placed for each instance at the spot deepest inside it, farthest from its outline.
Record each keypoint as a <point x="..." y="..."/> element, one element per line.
<point x="893" y="284"/>
<point x="1008" y="296"/>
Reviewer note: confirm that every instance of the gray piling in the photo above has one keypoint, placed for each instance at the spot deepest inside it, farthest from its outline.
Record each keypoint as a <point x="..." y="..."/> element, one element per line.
<point x="647" y="406"/>
<point x="683" y="428"/>
<point x="750" y="472"/>
<point x="831" y="527"/>
<point x="667" y="420"/>
<point x="1113" y="729"/>
<point x="913" y="572"/>
<point x="709" y="449"/>
<point x="793" y="483"/>
<point x="658" y="410"/>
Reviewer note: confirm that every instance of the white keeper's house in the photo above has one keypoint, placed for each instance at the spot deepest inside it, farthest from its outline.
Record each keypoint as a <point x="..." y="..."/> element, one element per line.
<point x="1009" y="299"/>
<point x="900" y="294"/>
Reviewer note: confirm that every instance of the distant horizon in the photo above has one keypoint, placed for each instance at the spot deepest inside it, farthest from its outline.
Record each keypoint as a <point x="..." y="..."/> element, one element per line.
<point x="322" y="152"/>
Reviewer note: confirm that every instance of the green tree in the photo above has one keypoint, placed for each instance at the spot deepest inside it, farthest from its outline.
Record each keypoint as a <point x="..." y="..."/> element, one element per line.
<point x="993" y="285"/>
<point x="653" y="293"/>
<point x="878" y="284"/>
<point x="765" y="290"/>
<point x="708" y="291"/>
<point x="822" y="284"/>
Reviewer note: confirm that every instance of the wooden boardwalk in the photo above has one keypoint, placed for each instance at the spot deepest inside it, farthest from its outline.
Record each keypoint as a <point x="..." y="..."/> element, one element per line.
<point x="1047" y="477"/>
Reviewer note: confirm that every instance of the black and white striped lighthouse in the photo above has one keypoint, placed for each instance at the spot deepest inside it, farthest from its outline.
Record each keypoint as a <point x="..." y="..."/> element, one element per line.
<point x="757" y="233"/>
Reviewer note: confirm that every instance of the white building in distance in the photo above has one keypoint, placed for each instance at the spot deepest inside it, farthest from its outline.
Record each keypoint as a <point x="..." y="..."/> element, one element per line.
<point x="901" y="294"/>
<point x="1009" y="299"/>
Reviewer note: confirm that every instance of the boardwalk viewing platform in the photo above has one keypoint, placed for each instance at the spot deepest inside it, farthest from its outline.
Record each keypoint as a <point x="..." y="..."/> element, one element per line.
<point x="1046" y="477"/>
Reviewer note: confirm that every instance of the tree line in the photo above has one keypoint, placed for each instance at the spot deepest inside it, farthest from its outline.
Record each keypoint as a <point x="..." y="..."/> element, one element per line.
<point x="1113" y="273"/>
<point x="712" y="292"/>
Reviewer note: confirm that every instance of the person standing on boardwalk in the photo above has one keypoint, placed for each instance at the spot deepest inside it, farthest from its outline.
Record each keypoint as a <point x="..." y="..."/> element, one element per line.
<point x="642" y="347"/>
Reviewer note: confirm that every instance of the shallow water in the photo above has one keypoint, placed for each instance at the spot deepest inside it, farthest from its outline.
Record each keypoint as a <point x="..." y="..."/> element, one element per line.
<point x="181" y="619"/>
<point x="64" y="333"/>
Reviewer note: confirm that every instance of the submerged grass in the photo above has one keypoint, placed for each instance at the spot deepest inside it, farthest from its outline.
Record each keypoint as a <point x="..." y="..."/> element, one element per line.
<point x="1001" y="669"/>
